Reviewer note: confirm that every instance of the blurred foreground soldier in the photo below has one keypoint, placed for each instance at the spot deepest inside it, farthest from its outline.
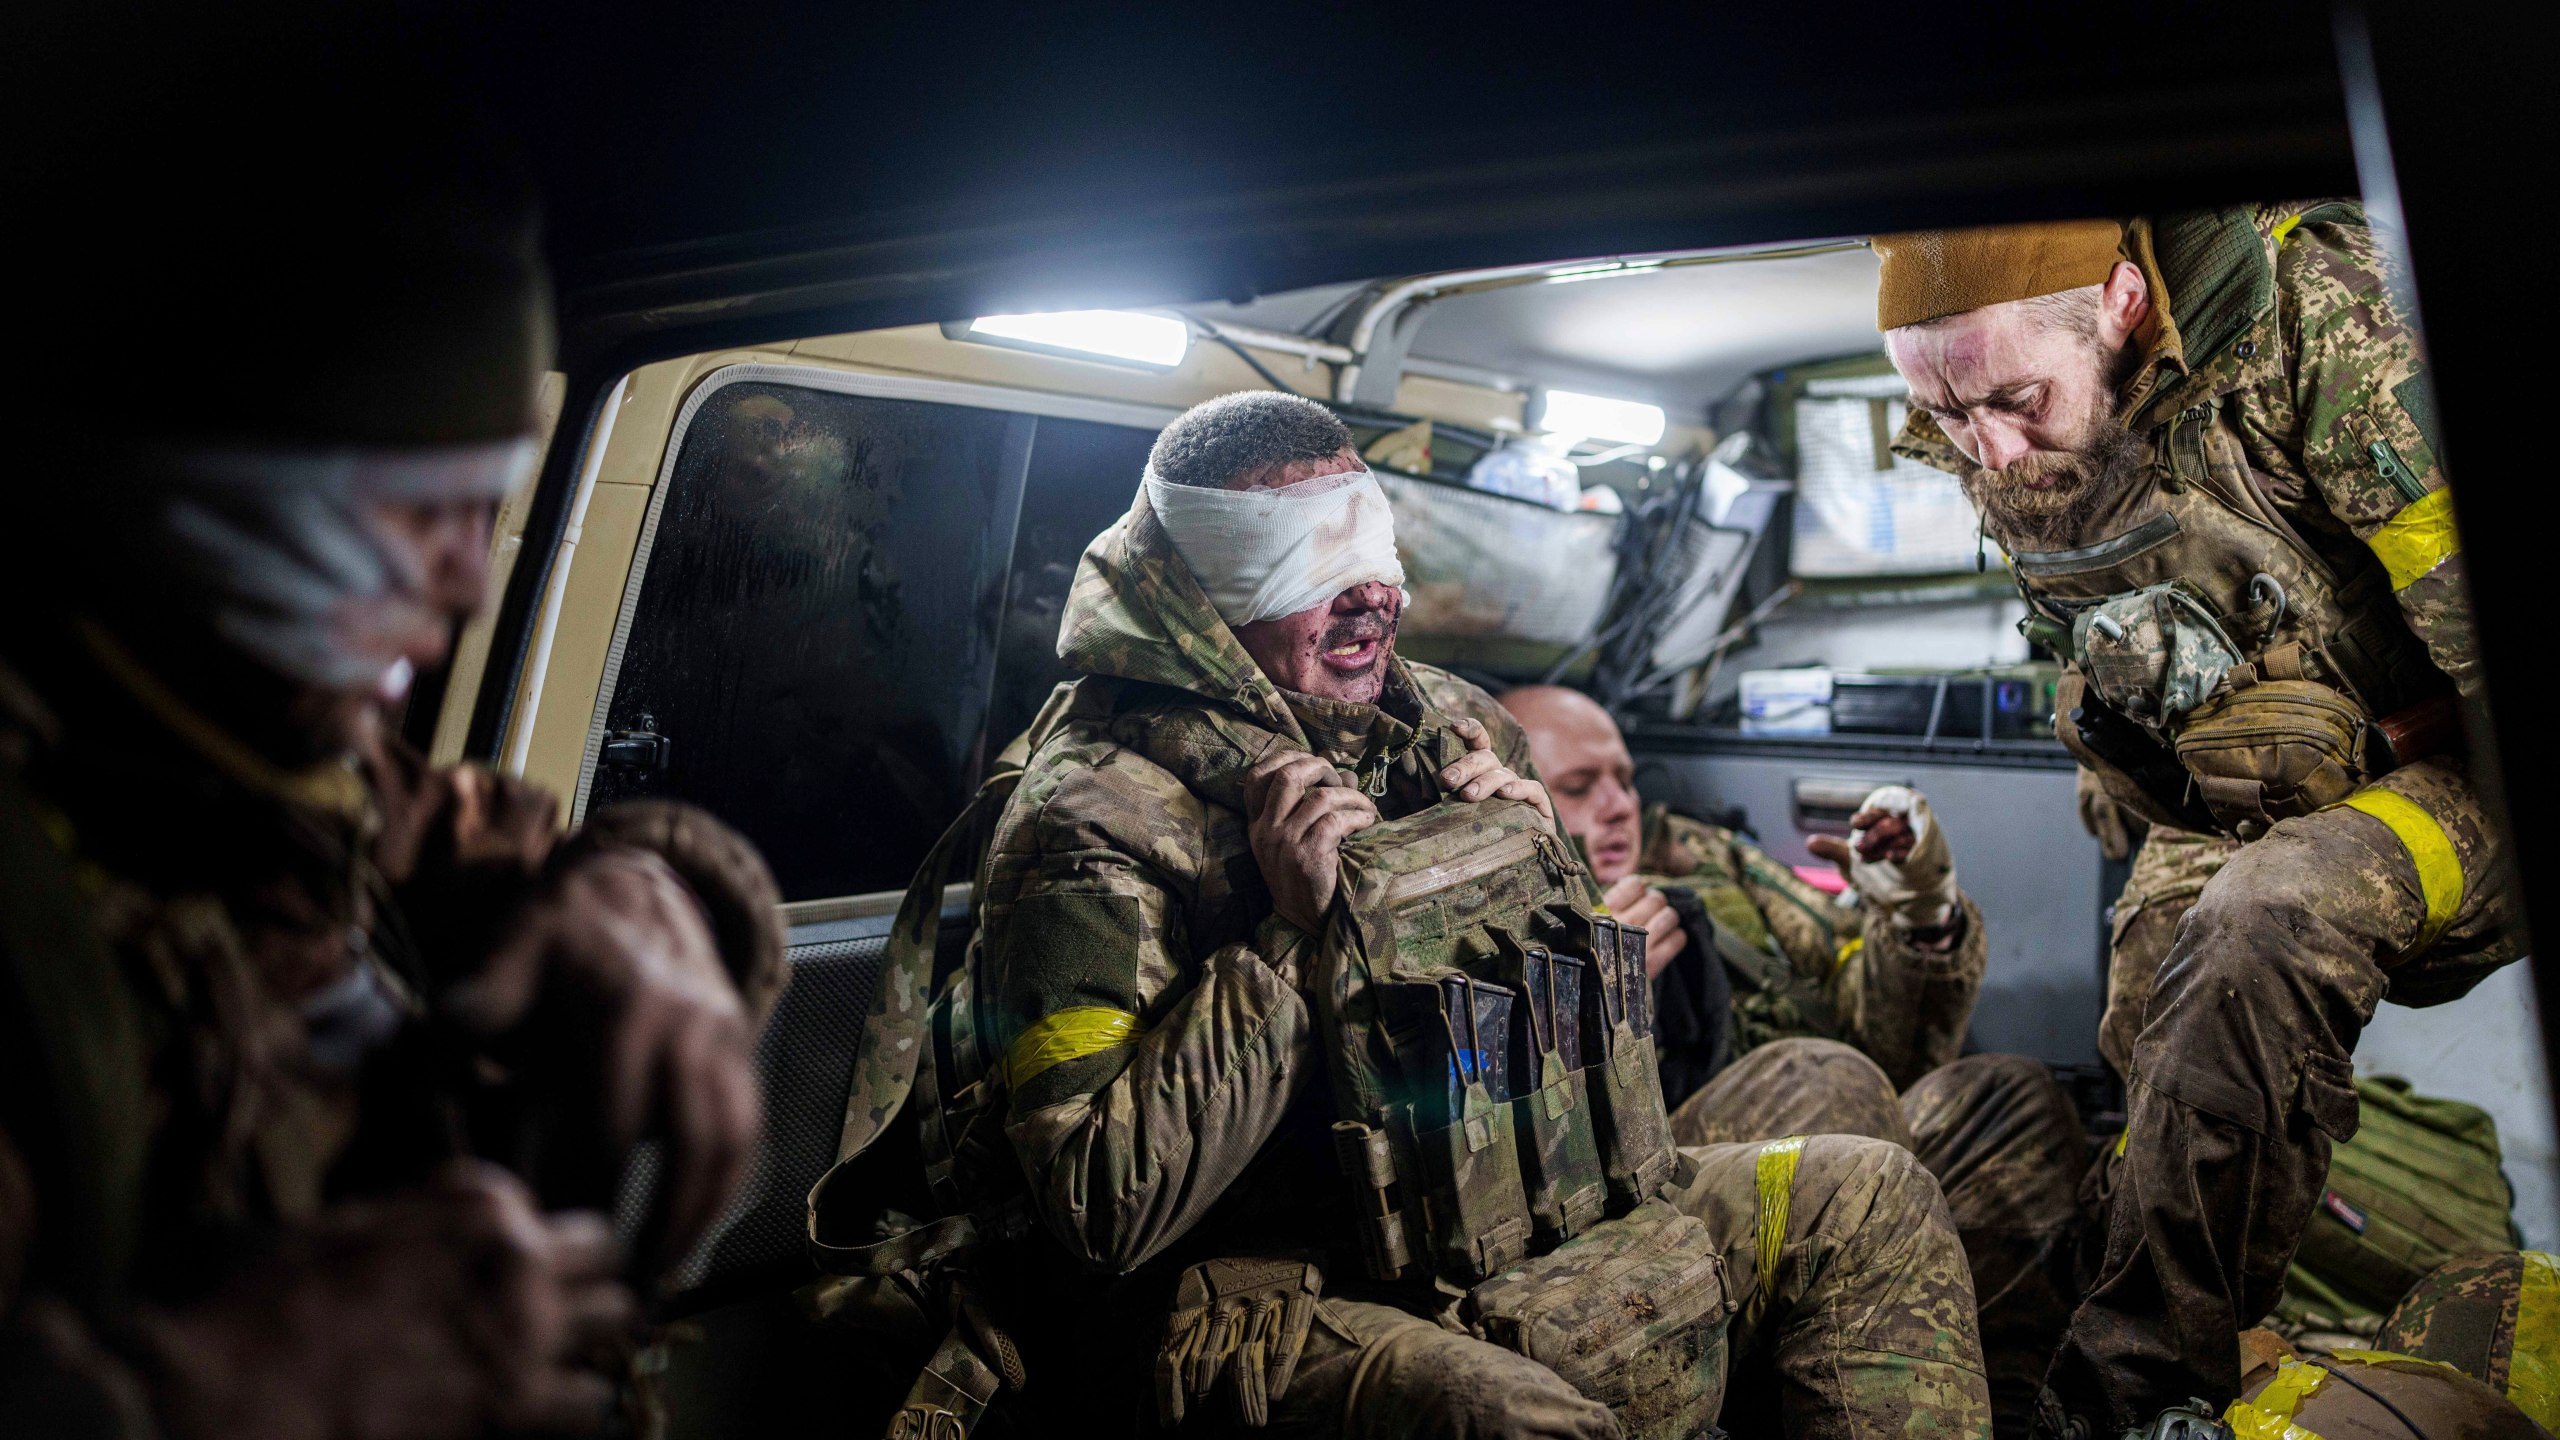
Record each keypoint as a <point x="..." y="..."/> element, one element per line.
<point x="1743" y="950"/>
<point x="2207" y="443"/>
<point x="268" y="982"/>
<point x="1292" y="1010"/>
<point x="1895" y="975"/>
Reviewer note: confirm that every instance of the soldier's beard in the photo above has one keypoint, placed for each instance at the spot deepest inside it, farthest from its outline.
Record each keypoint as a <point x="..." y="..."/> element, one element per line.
<point x="2044" y="501"/>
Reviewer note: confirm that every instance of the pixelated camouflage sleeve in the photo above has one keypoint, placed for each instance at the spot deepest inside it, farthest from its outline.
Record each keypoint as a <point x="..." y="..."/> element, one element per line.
<point x="2369" y="433"/>
<point x="1141" y="1081"/>
<point x="1905" y="1005"/>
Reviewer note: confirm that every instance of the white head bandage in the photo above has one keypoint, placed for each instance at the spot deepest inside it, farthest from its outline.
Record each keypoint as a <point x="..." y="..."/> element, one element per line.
<point x="1262" y="554"/>
<point x="283" y="549"/>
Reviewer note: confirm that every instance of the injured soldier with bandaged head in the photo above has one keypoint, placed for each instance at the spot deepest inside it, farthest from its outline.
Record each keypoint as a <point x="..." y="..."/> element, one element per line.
<point x="1275" y="1047"/>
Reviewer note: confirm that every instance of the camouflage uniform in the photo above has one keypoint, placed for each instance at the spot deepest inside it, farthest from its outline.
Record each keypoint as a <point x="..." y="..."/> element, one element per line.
<point x="1804" y="964"/>
<point x="2285" y="407"/>
<point x="1998" y="1133"/>
<point x="1167" y="1105"/>
<point x="211" y="978"/>
<point x="2169" y="872"/>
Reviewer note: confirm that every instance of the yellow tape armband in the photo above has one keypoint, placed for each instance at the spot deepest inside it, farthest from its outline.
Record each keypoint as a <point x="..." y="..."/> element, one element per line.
<point x="2270" y="1416"/>
<point x="1776" y="1173"/>
<point x="2430" y="849"/>
<point x="2417" y="540"/>
<point x="2284" y="228"/>
<point x="1069" y="1034"/>
<point x="1849" y="950"/>
<point x="2533" y="1367"/>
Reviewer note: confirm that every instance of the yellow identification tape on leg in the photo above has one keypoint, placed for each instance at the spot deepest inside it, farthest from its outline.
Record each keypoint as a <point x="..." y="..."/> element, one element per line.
<point x="2430" y="849"/>
<point x="1776" y="1173"/>
<point x="2533" y="1366"/>
<point x="1069" y="1034"/>
<point x="1848" y="952"/>
<point x="2417" y="540"/>
<point x="2270" y="1416"/>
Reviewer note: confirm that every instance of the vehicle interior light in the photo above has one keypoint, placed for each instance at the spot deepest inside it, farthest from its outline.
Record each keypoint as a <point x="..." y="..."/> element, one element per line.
<point x="1127" y="335"/>
<point x="1630" y="422"/>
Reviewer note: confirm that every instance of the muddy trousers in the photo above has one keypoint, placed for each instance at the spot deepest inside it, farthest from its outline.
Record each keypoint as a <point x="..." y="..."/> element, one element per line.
<point x="2000" y="1136"/>
<point x="1862" y="1328"/>
<point x="2241" y="1074"/>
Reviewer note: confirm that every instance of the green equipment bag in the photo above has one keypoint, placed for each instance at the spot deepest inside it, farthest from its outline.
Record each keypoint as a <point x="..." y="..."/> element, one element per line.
<point x="2417" y="1186"/>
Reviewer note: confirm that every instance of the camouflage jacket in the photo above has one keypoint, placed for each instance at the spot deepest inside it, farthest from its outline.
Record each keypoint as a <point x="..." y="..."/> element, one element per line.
<point x="1804" y="964"/>
<point x="2278" y="357"/>
<point x="1163" y="1082"/>
<point x="207" y="995"/>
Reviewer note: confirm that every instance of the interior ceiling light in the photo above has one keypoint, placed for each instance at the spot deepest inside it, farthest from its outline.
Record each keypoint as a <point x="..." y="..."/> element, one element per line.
<point x="1597" y="417"/>
<point x="1599" y="270"/>
<point x="1129" y="336"/>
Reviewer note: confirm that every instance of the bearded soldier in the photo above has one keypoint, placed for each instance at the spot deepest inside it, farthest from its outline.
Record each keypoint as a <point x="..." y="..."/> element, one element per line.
<point x="270" y="984"/>
<point x="1167" y="901"/>
<point x="2207" y="443"/>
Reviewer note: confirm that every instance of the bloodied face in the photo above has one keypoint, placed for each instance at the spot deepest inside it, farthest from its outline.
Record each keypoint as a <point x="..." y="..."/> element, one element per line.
<point x="1338" y="650"/>
<point x="2027" y="391"/>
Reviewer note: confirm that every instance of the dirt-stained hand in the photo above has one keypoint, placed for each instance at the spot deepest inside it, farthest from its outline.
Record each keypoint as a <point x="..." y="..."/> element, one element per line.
<point x="452" y="1311"/>
<point x="609" y="988"/>
<point x="1297" y="811"/>
<point x="1480" y="773"/>
<point x="1896" y="858"/>
<point x="1632" y="902"/>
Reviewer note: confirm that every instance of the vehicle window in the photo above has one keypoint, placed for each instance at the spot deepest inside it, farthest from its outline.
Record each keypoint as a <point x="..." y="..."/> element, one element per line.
<point x="1083" y="475"/>
<point x="814" y="639"/>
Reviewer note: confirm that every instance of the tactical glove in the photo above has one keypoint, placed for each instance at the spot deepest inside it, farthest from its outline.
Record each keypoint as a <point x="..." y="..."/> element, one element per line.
<point x="726" y="874"/>
<point x="1244" y="1318"/>
<point x="1918" y="891"/>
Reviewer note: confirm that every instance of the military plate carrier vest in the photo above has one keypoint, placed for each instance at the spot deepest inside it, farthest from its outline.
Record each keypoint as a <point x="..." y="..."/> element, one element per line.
<point x="1488" y="1041"/>
<point x="2226" y="671"/>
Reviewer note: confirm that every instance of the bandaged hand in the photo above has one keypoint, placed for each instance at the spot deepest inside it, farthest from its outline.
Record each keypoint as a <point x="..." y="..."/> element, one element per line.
<point x="1480" y="773"/>
<point x="1896" y="858"/>
<point x="1241" y="1323"/>
<point x="1297" y="811"/>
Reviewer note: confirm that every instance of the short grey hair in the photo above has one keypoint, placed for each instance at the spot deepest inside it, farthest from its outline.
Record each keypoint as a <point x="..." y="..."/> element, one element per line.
<point x="1217" y="442"/>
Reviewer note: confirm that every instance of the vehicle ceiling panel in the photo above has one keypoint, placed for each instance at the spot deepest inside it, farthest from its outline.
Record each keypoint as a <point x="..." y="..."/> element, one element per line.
<point x="1680" y="338"/>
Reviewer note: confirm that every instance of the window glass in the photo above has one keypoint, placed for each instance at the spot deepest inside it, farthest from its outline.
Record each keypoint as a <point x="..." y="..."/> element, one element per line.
<point x="815" y="636"/>
<point x="1083" y="476"/>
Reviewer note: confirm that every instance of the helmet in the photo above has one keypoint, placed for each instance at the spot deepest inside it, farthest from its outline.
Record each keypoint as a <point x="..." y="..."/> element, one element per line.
<point x="2494" y="1317"/>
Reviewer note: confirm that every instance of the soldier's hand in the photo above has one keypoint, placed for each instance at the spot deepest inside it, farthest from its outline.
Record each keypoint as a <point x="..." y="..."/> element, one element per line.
<point x="1239" y="1326"/>
<point x="1632" y="902"/>
<point x="1297" y="811"/>
<point x="1480" y="773"/>
<point x="610" y="990"/>
<point x="1897" y="859"/>
<point x="448" y="1312"/>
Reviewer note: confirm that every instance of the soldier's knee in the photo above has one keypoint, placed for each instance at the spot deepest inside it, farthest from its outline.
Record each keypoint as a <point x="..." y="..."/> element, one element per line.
<point x="2252" y="922"/>
<point x="1847" y="1183"/>
<point x="1419" y="1382"/>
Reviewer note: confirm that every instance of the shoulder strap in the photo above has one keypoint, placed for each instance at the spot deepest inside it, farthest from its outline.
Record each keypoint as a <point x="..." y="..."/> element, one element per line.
<point x="893" y="1036"/>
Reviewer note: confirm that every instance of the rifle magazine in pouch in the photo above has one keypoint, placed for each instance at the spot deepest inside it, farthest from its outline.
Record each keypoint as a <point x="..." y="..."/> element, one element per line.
<point x="1559" y="1152"/>
<point x="2273" y="750"/>
<point x="1623" y="1078"/>
<point x="1468" y="1212"/>
<point x="1631" y="1313"/>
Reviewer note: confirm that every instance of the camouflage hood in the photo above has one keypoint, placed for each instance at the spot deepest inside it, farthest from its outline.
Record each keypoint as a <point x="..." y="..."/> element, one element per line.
<point x="1137" y="613"/>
